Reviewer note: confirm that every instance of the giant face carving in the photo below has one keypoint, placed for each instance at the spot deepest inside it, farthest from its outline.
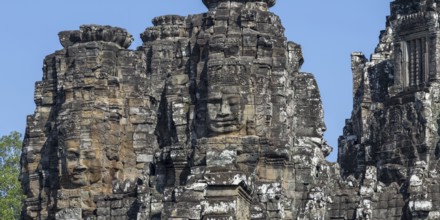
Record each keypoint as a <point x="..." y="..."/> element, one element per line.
<point x="225" y="112"/>
<point x="83" y="166"/>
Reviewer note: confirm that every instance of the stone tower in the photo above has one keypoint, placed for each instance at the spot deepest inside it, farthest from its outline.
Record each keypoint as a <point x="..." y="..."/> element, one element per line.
<point x="211" y="118"/>
<point x="395" y="119"/>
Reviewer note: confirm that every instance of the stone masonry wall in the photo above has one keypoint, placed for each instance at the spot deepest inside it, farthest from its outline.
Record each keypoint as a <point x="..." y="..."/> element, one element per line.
<point x="393" y="129"/>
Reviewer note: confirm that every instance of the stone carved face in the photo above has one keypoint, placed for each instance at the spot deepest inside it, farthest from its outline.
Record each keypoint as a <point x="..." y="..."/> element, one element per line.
<point x="225" y="113"/>
<point x="83" y="166"/>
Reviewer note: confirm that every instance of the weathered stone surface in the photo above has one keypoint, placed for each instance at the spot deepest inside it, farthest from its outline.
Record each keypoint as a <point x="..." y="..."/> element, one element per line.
<point x="90" y="33"/>
<point x="211" y="118"/>
<point x="393" y="130"/>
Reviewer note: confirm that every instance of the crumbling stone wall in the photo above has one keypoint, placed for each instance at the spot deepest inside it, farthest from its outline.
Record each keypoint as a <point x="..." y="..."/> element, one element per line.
<point x="211" y="118"/>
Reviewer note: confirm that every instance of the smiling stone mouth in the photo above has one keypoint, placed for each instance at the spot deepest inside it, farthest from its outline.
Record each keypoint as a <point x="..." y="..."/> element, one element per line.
<point x="78" y="174"/>
<point x="225" y="122"/>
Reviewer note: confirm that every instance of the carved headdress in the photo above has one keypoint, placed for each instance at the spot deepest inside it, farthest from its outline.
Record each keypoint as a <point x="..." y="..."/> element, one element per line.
<point x="229" y="72"/>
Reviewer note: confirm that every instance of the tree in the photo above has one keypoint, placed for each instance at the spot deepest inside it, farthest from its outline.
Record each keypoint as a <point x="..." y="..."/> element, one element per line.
<point x="11" y="194"/>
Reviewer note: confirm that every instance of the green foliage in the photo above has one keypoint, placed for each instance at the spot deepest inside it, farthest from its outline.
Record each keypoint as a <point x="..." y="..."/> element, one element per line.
<point x="11" y="193"/>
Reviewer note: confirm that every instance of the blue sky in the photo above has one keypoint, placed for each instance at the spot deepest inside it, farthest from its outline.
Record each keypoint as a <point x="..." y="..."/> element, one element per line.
<point x="327" y="30"/>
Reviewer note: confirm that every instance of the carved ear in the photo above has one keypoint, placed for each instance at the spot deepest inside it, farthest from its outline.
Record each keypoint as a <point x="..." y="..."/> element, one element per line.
<point x="250" y="127"/>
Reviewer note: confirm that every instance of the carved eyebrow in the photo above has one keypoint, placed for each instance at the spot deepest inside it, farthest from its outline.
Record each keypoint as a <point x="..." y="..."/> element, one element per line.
<point x="73" y="150"/>
<point x="233" y="98"/>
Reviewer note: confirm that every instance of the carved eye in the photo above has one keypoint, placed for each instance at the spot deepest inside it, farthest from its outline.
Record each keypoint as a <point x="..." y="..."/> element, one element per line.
<point x="215" y="101"/>
<point x="72" y="156"/>
<point x="91" y="155"/>
<point x="234" y="101"/>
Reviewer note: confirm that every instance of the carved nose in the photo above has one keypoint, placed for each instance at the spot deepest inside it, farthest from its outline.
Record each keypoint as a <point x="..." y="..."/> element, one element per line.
<point x="226" y="109"/>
